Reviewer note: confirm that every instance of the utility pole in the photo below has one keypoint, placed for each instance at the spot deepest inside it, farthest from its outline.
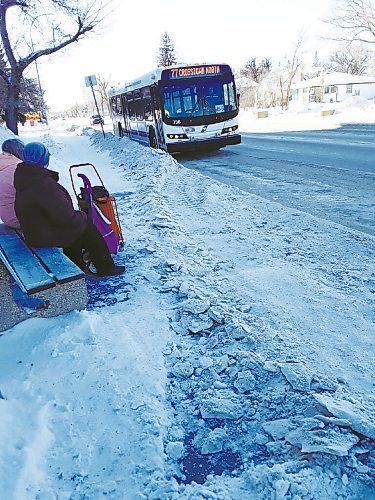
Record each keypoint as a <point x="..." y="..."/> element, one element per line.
<point x="44" y="113"/>
<point x="44" y="108"/>
<point x="90" y="82"/>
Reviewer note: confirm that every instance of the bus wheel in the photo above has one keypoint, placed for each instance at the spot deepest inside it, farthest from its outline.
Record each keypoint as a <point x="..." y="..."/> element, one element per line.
<point x="120" y="131"/>
<point x="152" y="139"/>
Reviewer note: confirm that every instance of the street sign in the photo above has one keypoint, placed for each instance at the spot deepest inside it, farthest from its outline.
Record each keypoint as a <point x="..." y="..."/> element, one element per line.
<point x="90" y="81"/>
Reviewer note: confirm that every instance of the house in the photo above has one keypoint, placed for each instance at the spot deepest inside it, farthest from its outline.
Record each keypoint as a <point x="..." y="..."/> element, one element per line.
<point x="333" y="87"/>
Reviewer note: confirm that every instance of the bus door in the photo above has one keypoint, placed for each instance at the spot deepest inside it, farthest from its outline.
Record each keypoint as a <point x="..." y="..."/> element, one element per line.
<point x="156" y="109"/>
<point x="126" y="116"/>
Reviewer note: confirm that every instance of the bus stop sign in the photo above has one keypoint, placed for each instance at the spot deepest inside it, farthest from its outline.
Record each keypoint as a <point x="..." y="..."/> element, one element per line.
<point x="90" y="81"/>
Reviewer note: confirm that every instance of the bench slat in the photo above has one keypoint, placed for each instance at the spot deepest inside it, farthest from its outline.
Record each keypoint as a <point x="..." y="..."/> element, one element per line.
<point x="25" y="268"/>
<point x="58" y="264"/>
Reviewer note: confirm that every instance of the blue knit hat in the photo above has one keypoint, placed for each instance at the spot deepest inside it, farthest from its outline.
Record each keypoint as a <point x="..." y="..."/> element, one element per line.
<point x="13" y="147"/>
<point x="36" y="153"/>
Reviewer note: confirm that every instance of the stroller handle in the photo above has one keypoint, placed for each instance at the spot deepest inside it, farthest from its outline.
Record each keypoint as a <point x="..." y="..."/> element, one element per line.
<point x="77" y="165"/>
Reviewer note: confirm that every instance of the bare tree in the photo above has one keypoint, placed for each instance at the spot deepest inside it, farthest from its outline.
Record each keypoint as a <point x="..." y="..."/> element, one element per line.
<point x="40" y="28"/>
<point x="103" y="85"/>
<point x="352" y="61"/>
<point x="255" y="70"/>
<point x="288" y="73"/>
<point x="354" y="20"/>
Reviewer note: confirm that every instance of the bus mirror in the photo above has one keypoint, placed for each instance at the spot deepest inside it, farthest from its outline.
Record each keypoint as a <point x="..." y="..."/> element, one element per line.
<point x="238" y="100"/>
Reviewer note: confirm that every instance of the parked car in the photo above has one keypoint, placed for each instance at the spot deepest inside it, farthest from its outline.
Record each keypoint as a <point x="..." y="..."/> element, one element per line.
<point x="96" y="120"/>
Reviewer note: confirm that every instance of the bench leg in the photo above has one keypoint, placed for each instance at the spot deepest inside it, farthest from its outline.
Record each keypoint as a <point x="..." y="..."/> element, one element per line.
<point x="11" y="313"/>
<point x="60" y="299"/>
<point x="63" y="297"/>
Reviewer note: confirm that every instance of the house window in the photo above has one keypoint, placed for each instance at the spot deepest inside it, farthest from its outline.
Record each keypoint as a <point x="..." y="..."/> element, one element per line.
<point x="349" y="88"/>
<point x="357" y="92"/>
<point x="330" y="90"/>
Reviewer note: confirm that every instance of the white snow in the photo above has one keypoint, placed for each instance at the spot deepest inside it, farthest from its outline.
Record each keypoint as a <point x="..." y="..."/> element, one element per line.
<point x="233" y="360"/>
<point x="300" y="117"/>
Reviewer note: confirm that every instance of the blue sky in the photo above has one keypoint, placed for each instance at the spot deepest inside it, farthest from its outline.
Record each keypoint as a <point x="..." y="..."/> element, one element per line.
<point x="202" y="31"/>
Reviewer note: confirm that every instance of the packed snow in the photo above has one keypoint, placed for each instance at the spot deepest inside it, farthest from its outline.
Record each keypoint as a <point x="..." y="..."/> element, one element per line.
<point x="233" y="360"/>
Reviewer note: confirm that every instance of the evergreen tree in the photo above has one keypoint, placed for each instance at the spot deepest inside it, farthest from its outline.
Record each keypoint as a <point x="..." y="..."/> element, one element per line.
<point x="167" y="55"/>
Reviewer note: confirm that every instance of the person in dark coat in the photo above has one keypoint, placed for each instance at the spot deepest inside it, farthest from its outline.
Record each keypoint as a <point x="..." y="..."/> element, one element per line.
<point x="47" y="217"/>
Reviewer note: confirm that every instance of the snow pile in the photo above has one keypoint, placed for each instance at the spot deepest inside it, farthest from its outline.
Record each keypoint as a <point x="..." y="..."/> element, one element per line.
<point x="233" y="360"/>
<point x="224" y="382"/>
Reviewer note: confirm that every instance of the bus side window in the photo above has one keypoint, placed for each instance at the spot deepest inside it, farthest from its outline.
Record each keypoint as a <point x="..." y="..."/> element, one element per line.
<point x="113" y="105"/>
<point x="138" y="104"/>
<point x="131" y="107"/>
<point x="116" y="105"/>
<point x="147" y="104"/>
<point x="229" y="97"/>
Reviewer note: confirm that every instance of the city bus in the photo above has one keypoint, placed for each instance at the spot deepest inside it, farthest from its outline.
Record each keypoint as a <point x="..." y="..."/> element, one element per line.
<point x="179" y="108"/>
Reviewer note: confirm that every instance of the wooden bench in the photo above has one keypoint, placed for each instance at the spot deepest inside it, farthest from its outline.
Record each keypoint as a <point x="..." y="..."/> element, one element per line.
<point x="36" y="281"/>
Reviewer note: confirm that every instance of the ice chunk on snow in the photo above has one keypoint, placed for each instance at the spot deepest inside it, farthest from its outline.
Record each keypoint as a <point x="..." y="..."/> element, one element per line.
<point x="196" y="306"/>
<point x="175" y="449"/>
<point x="360" y="420"/>
<point x="245" y="381"/>
<point x="214" y="443"/>
<point x="183" y="369"/>
<point x="281" y="487"/>
<point x="297" y="376"/>
<point x="278" y="429"/>
<point x="332" y="440"/>
<point x="196" y="324"/>
<point x="221" y="408"/>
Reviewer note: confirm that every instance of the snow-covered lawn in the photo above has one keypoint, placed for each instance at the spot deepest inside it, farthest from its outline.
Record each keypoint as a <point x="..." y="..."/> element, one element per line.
<point x="233" y="360"/>
<point x="298" y="117"/>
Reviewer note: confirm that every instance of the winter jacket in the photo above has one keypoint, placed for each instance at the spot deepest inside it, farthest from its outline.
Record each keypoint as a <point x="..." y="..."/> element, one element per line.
<point x="45" y="209"/>
<point x="8" y="164"/>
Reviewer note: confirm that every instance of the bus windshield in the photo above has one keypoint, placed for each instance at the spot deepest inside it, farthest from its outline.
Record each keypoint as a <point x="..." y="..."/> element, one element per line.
<point x="202" y="98"/>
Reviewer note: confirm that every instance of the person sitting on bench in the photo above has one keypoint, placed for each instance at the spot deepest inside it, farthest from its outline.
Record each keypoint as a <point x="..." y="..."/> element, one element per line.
<point x="48" y="219"/>
<point x="9" y="159"/>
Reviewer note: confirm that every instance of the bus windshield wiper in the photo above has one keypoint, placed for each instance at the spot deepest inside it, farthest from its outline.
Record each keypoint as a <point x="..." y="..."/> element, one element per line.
<point x="207" y="105"/>
<point x="194" y="108"/>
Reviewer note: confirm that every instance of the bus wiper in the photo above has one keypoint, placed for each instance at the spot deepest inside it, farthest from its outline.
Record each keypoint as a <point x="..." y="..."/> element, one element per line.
<point x="208" y="105"/>
<point x="194" y="108"/>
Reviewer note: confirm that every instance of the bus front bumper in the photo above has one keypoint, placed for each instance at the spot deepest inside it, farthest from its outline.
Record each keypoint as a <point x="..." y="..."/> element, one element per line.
<point x="214" y="143"/>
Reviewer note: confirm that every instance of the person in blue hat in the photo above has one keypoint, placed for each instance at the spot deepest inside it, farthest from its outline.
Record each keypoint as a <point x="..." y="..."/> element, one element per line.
<point x="47" y="217"/>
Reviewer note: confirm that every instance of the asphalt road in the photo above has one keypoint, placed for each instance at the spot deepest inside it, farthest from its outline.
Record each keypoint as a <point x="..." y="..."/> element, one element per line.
<point x="329" y="173"/>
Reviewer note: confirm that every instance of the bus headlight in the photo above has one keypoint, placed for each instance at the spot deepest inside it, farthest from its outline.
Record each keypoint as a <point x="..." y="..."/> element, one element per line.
<point x="226" y="130"/>
<point x="177" y="136"/>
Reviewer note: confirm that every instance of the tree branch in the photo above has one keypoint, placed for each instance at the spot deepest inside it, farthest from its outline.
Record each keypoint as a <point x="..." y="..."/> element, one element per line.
<point x="26" y="61"/>
<point x="14" y="3"/>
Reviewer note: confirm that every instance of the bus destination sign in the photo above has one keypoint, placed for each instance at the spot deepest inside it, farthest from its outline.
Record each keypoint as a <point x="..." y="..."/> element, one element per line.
<point x="194" y="71"/>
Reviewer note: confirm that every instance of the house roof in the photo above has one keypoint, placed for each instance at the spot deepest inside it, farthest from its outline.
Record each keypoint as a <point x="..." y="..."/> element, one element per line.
<point x="333" y="79"/>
